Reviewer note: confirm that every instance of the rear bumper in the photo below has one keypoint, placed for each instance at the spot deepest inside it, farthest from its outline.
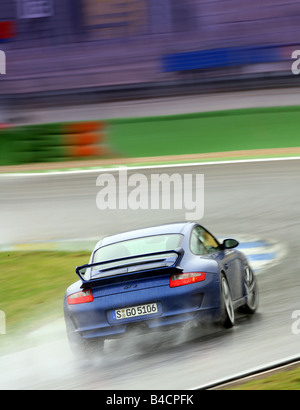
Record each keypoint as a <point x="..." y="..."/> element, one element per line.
<point x="191" y="303"/>
<point x="161" y="324"/>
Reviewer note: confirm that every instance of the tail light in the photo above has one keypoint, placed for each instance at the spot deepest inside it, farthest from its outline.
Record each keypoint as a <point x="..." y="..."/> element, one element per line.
<point x="85" y="296"/>
<point x="186" y="278"/>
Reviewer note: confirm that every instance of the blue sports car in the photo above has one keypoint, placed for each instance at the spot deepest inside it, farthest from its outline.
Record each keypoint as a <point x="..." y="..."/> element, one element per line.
<point x="155" y="278"/>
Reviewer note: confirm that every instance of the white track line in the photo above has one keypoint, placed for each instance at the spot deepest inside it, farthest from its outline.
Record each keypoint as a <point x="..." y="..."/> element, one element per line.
<point x="146" y="167"/>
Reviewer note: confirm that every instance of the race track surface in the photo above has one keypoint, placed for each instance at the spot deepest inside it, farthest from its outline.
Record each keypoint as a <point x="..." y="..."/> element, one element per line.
<point x="258" y="200"/>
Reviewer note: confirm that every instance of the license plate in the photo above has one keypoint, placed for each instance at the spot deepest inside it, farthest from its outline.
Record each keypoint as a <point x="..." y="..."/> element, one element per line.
<point x="135" y="311"/>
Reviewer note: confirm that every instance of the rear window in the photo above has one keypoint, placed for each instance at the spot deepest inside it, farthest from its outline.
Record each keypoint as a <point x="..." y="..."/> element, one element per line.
<point x="139" y="246"/>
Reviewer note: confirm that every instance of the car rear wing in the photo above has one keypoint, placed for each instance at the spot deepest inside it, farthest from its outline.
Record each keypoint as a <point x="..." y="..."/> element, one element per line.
<point x="129" y="265"/>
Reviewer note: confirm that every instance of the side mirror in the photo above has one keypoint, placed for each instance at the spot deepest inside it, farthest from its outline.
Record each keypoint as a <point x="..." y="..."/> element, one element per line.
<point x="230" y="244"/>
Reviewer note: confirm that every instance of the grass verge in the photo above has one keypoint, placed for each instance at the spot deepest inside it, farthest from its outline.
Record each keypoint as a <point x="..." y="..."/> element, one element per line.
<point x="32" y="285"/>
<point x="217" y="131"/>
<point x="283" y="380"/>
<point x="195" y="133"/>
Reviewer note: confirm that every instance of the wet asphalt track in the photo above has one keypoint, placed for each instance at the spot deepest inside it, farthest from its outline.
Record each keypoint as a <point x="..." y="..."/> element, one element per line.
<point x="259" y="199"/>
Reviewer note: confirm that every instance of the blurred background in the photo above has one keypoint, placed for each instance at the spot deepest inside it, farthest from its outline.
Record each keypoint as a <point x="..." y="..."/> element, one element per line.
<point x="54" y="46"/>
<point x="76" y="52"/>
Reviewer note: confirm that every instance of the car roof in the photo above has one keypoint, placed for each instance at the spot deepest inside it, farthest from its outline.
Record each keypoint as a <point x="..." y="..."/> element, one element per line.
<point x="170" y="228"/>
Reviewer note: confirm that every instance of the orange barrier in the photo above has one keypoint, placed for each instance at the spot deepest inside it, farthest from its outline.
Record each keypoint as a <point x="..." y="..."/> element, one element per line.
<point x="87" y="151"/>
<point x="53" y="142"/>
<point x="82" y="127"/>
<point x="85" y="139"/>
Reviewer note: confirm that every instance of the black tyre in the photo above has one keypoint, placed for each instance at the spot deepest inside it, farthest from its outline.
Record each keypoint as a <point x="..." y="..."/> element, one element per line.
<point x="227" y="311"/>
<point x="252" y="292"/>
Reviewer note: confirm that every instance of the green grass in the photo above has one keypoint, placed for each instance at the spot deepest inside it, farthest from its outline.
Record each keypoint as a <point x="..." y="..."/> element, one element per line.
<point x="285" y="380"/>
<point x="216" y="131"/>
<point x="32" y="284"/>
<point x="196" y="133"/>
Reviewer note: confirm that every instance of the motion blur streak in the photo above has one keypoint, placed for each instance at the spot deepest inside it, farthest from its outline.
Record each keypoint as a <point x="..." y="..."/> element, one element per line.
<point x="82" y="51"/>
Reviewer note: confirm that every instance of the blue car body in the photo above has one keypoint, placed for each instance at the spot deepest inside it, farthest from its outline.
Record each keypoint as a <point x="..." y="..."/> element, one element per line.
<point x="157" y="287"/>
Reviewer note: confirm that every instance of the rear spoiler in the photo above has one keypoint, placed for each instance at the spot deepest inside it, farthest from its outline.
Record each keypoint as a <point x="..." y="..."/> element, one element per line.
<point x="127" y="263"/>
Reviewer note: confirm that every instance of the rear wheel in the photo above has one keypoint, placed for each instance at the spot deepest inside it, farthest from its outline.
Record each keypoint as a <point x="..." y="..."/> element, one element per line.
<point x="252" y="294"/>
<point x="227" y="310"/>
